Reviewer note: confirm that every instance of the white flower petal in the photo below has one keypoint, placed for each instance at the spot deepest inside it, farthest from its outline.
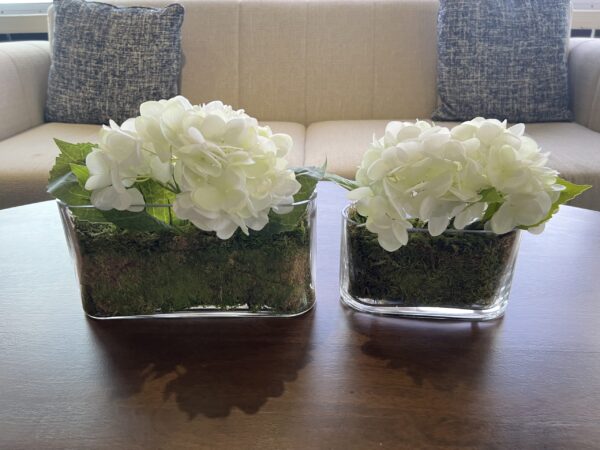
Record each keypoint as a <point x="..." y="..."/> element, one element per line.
<point x="378" y="170"/>
<point x="136" y="200"/>
<point x="213" y="127"/>
<point x="538" y="229"/>
<point x="399" y="229"/>
<point x="464" y="131"/>
<point x="99" y="168"/>
<point x="283" y="142"/>
<point x="161" y="171"/>
<point x="488" y="131"/>
<point x="227" y="230"/>
<point x="437" y="225"/>
<point x="129" y="125"/>
<point x="151" y="109"/>
<point x="258" y="223"/>
<point x="103" y="199"/>
<point x="359" y="193"/>
<point x="207" y="197"/>
<point x="503" y="220"/>
<point x="388" y="241"/>
<point x="517" y="130"/>
<point x="469" y="215"/>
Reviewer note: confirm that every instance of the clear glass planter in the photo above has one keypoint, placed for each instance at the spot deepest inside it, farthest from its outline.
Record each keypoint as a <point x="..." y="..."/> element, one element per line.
<point x="189" y="272"/>
<point x="458" y="275"/>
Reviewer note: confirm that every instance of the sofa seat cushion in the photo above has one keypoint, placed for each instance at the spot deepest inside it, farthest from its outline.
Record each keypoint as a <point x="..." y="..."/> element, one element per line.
<point x="28" y="157"/>
<point x="342" y="143"/>
<point x="575" y="150"/>
<point x="575" y="153"/>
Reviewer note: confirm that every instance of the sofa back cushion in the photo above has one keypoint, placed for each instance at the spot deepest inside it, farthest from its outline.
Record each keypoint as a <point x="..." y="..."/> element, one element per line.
<point x="308" y="61"/>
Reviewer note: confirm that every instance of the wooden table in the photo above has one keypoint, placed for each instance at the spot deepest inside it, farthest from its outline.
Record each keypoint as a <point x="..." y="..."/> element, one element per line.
<point x="332" y="378"/>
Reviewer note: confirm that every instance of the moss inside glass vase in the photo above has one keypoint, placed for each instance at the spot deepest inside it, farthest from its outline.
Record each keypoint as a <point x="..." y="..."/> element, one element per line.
<point x="453" y="270"/>
<point x="124" y="272"/>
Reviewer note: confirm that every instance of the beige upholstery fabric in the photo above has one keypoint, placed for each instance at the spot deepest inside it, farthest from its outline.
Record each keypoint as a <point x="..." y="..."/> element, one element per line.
<point x="28" y="157"/>
<point x="306" y="61"/>
<point x="23" y="79"/>
<point x="575" y="153"/>
<point x="300" y="61"/>
<point x="370" y="59"/>
<point x="584" y="79"/>
<point x="342" y="143"/>
<point x="574" y="150"/>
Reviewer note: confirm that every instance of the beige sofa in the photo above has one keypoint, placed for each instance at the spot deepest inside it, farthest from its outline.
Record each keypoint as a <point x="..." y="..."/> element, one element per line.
<point x="331" y="73"/>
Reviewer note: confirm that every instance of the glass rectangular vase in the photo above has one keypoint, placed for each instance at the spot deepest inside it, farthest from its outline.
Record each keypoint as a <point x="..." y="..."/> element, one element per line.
<point x="464" y="274"/>
<point x="189" y="272"/>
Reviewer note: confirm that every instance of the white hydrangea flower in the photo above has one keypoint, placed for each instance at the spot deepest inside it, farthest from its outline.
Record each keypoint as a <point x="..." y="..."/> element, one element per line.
<point x="520" y="209"/>
<point x="231" y="171"/>
<point x="149" y="125"/>
<point x="226" y="170"/>
<point x="114" y="167"/>
<point x="426" y="172"/>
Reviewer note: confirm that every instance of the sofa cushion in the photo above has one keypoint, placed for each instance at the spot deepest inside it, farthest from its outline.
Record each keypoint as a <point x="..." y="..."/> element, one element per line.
<point x="573" y="149"/>
<point x="503" y="59"/>
<point x="28" y="157"/>
<point x="106" y="61"/>
<point x="342" y="143"/>
<point x="23" y="76"/>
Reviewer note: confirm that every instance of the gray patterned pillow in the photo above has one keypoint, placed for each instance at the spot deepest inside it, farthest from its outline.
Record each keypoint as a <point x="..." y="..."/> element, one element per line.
<point x="107" y="60"/>
<point x="504" y="59"/>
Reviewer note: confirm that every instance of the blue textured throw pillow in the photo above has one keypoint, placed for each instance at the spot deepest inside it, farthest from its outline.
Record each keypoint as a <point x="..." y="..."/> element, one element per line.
<point x="503" y="59"/>
<point x="106" y="61"/>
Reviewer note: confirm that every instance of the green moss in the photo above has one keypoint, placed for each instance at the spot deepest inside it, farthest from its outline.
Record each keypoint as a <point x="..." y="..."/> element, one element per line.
<point x="459" y="270"/>
<point x="124" y="272"/>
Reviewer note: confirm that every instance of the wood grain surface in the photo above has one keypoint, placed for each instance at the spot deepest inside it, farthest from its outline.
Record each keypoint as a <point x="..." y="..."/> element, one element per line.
<point x="332" y="378"/>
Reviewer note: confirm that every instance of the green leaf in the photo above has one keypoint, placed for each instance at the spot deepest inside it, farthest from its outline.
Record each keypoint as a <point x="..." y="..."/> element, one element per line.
<point x="156" y="194"/>
<point x="81" y="172"/>
<point x="134" y="221"/>
<point x="490" y="211"/>
<point x="64" y="183"/>
<point x="308" y="177"/>
<point x="571" y="190"/>
<point x="68" y="189"/>
<point x="126" y="220"/>
<point x="286" y="222"/>
<point x="341" y="181"/>
<point x="491" y="195"/>
<point x="90" y="215"/>
<point x="569" y="193"/>
<point x="494" y="199"/>
<point x="67" y="181"/>
<point x="69" y="154"/>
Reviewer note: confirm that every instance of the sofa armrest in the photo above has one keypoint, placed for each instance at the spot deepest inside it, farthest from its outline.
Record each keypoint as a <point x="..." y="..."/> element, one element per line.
<point x="584" y="81"/>
<point x="24" y="70"/>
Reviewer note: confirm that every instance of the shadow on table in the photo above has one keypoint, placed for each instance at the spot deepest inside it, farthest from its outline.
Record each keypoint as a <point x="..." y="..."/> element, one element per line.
<point x="445" y="354"/>
<point x="212" y="365"/>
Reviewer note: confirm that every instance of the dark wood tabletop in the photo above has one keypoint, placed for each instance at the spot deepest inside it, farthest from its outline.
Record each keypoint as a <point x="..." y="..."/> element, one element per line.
<point x="332" y="378"/>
